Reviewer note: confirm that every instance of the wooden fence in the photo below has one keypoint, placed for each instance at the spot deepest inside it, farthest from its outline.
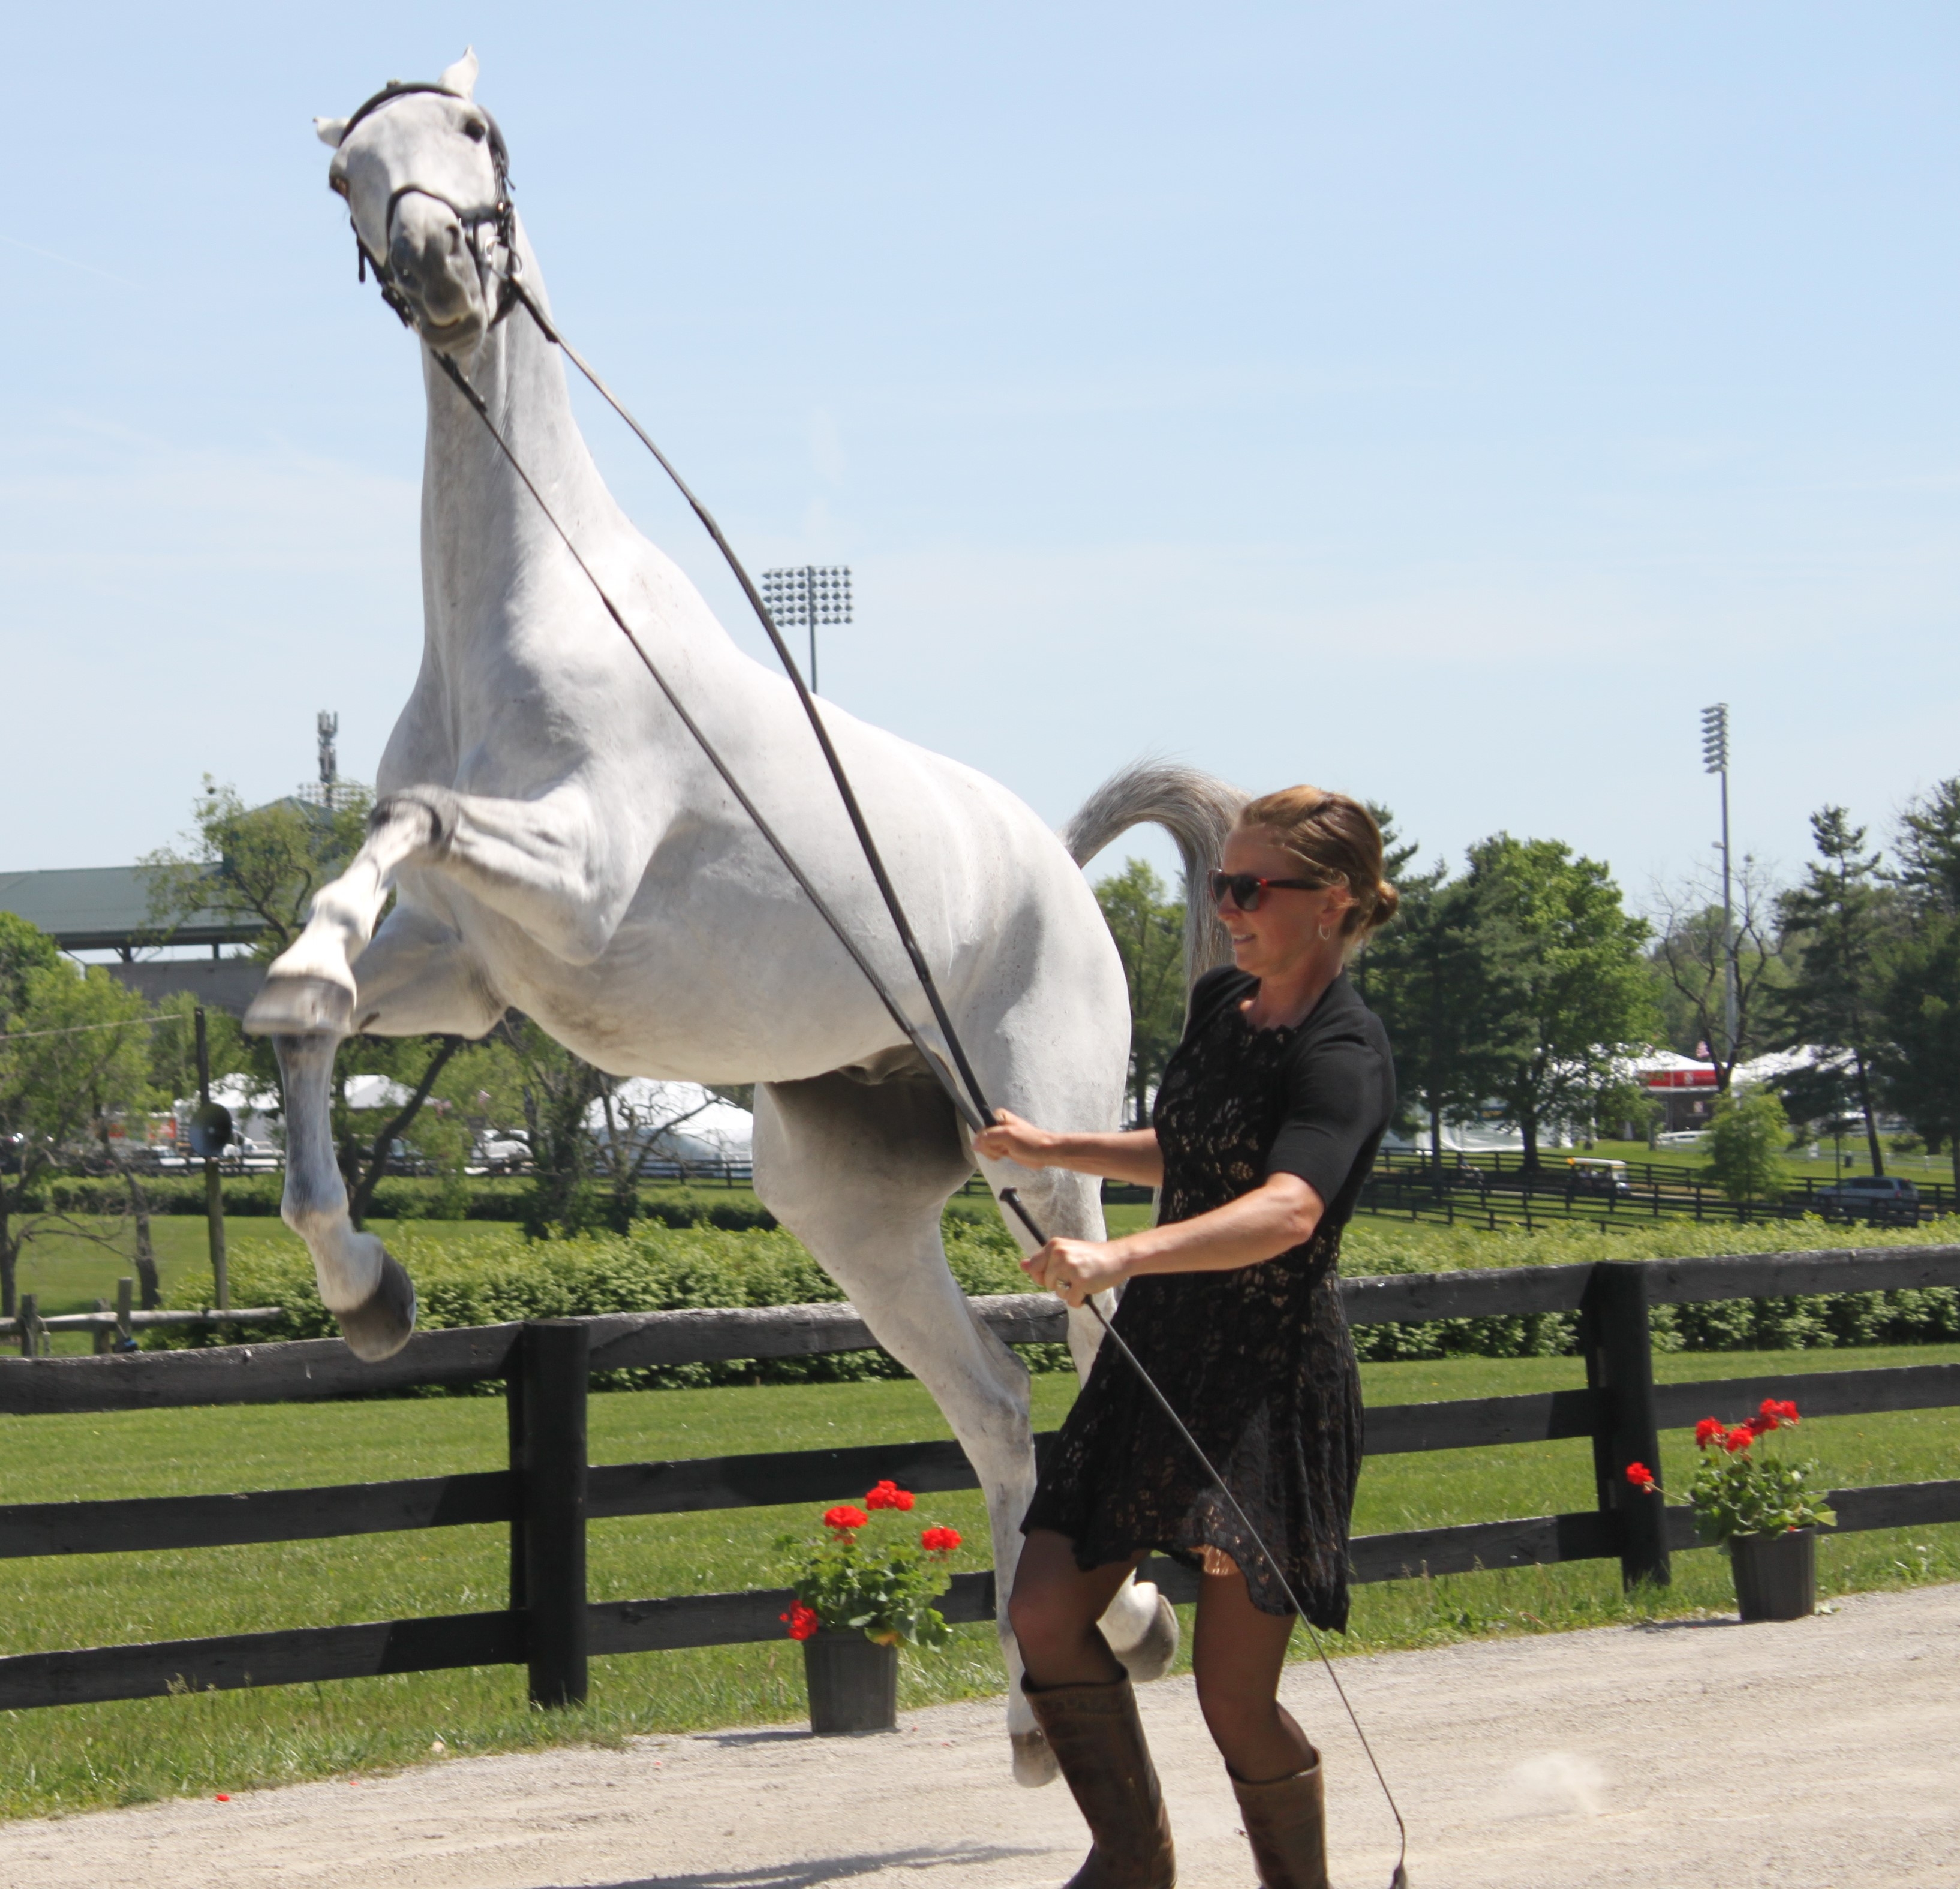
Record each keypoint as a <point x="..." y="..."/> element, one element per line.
<point x="549" y="1492"/>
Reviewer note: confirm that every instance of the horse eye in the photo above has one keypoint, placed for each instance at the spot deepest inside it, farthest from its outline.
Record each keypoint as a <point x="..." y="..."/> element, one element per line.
<point x="474" y="126"/>
<point x="338" y="185"/>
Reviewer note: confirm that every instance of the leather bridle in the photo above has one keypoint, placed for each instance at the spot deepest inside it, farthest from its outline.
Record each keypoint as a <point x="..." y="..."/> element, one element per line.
<point x="498" y="218"/>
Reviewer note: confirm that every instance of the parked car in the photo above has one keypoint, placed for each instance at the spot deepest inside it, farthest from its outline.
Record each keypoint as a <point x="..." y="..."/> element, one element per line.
<point x="500" y="1154"/>
<point x="1880" y="1199"/>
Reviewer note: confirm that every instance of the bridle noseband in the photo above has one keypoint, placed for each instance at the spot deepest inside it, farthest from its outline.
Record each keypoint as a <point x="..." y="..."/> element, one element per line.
<point x="500" y="218"/>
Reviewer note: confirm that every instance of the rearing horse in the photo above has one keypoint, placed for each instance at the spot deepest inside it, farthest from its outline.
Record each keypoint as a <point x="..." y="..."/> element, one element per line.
<point x="555" y="840"/>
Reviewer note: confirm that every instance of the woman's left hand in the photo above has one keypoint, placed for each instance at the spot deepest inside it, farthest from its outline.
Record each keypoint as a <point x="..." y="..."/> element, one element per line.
<point x="1074" y="1268"/>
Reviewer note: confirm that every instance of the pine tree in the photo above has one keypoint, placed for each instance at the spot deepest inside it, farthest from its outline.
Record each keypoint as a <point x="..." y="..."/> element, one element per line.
<point x="1838" y="923"/>
<point x="1919" y="999"/>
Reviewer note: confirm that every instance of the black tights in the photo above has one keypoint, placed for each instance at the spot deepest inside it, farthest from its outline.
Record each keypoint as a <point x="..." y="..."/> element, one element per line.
<point x="1236" y="1651"/>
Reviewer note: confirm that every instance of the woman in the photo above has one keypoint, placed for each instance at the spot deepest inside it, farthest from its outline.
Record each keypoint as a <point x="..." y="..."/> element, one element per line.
<point x="1265" y="1125"/>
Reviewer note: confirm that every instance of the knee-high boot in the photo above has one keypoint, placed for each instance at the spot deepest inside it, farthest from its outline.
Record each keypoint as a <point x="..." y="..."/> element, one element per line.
<point x="1098" y="1740"/>
<point x="1286" y="1822"/>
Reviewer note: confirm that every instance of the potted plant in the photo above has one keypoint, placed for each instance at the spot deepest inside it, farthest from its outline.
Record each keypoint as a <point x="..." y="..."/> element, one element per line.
<point x="859" y="1591"/>
<point x="1763" y="1506"/>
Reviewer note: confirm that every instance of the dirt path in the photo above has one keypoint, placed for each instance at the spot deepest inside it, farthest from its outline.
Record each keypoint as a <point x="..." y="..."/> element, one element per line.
<point x="1823" y="1754"/>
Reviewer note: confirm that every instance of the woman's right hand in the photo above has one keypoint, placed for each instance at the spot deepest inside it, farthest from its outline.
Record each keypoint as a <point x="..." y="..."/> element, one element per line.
<point x="1013" y="1139"/>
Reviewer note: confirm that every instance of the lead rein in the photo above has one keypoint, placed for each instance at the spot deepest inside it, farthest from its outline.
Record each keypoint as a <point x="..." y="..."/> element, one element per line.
<point x="971" y="1105"/>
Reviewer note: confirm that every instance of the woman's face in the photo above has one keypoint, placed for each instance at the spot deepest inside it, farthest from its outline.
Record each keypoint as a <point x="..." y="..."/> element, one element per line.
<point x="1284" y="935"/>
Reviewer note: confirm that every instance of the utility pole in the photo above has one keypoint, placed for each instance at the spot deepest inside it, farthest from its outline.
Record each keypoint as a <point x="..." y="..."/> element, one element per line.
<point x="211" y="1129"/>
<point x="1715" y="760"/>
<point x="326" y="724"/>
<point x="808" y="595"/>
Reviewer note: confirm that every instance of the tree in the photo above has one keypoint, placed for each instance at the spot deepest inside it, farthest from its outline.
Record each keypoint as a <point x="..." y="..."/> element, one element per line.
<point x="74" y="1051"/>
<point x="1584" y="996"/>
<point x="1918" y="1057"/>
<point x="1840" y="922"/>
<point x="1690" y="958"/>
<point x="1445" y="980"/>
<point x="1746" y="1137"/>
<point x="1148" y="926"/>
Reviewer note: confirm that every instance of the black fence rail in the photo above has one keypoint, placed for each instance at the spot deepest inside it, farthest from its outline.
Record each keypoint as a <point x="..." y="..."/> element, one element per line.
<point x="1654" y="1186"/>
<point x="550" y="1492"/>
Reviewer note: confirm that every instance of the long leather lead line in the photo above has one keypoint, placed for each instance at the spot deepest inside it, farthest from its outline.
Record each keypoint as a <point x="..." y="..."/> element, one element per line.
<point x="984" y="1118"/>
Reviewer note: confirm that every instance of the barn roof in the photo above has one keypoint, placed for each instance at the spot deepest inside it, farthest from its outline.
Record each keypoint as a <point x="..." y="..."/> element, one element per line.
<point x="107" y="908"/>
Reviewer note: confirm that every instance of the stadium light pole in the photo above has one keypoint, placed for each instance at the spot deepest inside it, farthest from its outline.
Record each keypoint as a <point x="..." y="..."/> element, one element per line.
<point x="1715" y="760"/>
<point x="804" y="595"/>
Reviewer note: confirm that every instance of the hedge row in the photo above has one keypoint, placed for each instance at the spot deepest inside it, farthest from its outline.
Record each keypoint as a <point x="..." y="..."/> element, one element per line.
<point x="398" y="1198"/>
<point x="498" y="1275"/>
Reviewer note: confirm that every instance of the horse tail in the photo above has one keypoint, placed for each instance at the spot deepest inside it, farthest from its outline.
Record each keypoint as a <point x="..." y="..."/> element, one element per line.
<point x="1196" y="809"/>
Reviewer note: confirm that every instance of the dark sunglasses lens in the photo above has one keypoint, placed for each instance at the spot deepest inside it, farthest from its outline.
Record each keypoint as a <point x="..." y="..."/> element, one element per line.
<point x="1244" y="887"/>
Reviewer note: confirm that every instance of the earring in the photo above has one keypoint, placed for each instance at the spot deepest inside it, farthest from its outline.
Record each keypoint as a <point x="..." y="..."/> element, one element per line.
<point x="1325" y="931"/>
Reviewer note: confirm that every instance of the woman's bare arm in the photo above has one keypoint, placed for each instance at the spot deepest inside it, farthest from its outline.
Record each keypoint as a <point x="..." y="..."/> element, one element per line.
<point x="1131" y="1155"/>
<point x="1275" y="1217"/>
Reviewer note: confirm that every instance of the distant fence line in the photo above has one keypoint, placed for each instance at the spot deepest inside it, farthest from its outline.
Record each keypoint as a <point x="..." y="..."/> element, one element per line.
<point x="550" y="1491"/>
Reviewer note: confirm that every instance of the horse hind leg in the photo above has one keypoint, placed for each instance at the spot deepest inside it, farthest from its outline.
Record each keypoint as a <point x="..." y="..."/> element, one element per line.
<point x="1139" y="1623"/>
<point x="860" y="1173"/>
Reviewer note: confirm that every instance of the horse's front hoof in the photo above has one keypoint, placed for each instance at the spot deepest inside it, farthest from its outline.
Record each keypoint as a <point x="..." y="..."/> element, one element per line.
<point x="1150" y="1657"/>
<point x="300" y="1007"/>
<point x="381" y="1325"/>
<point x="1034" y="1762"/>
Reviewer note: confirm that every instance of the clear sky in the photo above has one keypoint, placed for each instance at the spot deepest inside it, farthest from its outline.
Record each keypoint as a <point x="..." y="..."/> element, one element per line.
<point x="1441" y="403"/>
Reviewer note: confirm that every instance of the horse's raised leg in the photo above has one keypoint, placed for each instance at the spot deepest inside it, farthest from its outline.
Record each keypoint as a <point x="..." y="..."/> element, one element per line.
<point x="415" y="978"/>
<point x="860" y="1173"/>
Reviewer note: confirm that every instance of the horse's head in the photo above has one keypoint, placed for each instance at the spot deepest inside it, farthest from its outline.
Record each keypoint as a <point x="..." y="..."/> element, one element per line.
<point x="422" y="169"/>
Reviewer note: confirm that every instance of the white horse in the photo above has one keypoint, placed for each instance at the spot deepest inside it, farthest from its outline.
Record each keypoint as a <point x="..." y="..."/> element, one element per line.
<point x="555" y="841"/>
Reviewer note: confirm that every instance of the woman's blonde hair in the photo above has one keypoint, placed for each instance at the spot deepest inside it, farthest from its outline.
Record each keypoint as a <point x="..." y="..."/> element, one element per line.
<point x="1336" y="839"/>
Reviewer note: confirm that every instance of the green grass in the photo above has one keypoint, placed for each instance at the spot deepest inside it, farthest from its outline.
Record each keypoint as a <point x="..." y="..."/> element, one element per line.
<point x="70" y="1757"/>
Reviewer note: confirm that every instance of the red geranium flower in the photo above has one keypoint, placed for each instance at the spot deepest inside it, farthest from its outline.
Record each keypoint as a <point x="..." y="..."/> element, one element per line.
<point x="1709" y="1430"/>
<point x="940" y="1540"/>
<point x="1787" y="1411"/>
<point x="844" y="1518"/>
<point x="889" y="1495"/>
<point x="1739" y="1438"/>
<point x="1640" y="1475"/>
<point x="802" y="1621"/>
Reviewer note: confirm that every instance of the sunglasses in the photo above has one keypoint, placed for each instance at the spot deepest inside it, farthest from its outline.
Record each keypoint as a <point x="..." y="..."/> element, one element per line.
<point x="1247" y="889"/>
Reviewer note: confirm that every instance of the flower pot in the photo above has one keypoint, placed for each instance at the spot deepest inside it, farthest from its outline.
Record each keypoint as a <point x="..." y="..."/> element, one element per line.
<point x="1775" y="1574"/>
<point x="853" y="1682"/>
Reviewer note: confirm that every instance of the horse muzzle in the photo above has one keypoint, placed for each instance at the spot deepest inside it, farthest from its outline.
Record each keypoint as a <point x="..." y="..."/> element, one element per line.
<point x="434" y="270"/>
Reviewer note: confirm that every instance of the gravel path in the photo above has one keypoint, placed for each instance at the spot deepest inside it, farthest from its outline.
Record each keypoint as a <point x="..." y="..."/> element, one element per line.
<point x="1821" y="1754"/>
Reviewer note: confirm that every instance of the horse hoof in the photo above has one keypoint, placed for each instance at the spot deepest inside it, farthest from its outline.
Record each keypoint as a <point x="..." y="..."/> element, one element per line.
<point x="1150" y="1658"/>
<point x="380" y="1325"/>
<point x="1034" y="1762"/>
<point x="300" y="1007"/>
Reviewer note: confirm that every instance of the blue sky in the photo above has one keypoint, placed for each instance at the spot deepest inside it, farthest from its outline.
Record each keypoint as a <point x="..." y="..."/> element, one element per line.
<point x="1440" y="403"/>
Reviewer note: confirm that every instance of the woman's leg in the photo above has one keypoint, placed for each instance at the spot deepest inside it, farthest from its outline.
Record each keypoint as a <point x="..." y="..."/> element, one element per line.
<point x="1053" y="1609"/>
<point x="1236" y="1655"/>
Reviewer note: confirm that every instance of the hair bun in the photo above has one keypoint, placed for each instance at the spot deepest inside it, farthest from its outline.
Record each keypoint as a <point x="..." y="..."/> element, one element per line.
<point x="1386" y="901"/>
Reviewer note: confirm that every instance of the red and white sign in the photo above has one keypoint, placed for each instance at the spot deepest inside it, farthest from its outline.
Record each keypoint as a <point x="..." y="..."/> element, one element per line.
<point x="1681" y="1079"/>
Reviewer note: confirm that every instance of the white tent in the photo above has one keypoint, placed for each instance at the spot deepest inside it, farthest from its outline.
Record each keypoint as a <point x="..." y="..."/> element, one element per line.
<point x="676" y="1121"/>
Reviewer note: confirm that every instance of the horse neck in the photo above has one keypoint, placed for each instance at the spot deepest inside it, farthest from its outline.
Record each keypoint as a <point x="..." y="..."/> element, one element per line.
<point x="479" y="524"/>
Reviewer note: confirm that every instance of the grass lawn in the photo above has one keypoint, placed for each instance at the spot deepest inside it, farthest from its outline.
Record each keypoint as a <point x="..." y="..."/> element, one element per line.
<point x="70" y="1757"/>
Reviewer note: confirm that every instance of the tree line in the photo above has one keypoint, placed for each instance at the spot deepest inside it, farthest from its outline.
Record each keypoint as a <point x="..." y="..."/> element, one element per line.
<point x="1516" y="989"/>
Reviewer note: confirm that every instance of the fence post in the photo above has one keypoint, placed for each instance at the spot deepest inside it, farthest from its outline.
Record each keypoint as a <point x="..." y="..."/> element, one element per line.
<point x="101" y="1335"/>
<point x="547" y="1422"/>
<point x="126" y="1297"/>
<point x="29" y="1324"/>
<point x="1617" y="1340"/>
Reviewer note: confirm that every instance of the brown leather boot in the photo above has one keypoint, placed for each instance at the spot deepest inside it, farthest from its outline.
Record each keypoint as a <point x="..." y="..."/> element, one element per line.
<point x="1286" y="1822"/>
<point x="1098" y="1740"/>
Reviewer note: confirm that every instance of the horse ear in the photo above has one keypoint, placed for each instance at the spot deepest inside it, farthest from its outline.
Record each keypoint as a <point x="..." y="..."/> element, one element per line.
<point x="330" y="132"/>
<point x="460" y="78"/>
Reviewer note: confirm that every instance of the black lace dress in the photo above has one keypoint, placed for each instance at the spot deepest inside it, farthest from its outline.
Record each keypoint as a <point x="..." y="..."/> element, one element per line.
<point x="1258" y="1361"/>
